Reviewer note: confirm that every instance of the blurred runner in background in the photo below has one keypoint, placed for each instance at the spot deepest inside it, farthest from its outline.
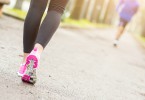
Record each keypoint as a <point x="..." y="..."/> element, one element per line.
<point x="126" y="10"/>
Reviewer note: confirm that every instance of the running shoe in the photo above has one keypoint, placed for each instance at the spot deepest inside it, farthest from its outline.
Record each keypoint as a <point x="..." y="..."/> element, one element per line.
<point x="115" y="44"/>
<point x="32" y="62"/>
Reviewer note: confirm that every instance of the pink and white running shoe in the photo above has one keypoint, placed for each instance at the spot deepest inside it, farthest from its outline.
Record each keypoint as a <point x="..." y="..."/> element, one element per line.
<point x="32" y="62"/>
<point x="22" y="70"/>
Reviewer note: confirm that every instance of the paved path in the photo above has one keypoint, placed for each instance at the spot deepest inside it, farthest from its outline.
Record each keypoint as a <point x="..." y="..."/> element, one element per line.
<point x="76" y="65"/>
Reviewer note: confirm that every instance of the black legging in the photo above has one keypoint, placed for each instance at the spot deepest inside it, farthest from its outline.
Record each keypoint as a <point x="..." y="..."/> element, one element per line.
<point x="36" y="33"/>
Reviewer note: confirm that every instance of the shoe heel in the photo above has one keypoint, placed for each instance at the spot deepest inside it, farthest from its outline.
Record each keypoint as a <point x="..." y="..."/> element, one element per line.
<point x="30" y="76"/>
<point x="26" y="78"/>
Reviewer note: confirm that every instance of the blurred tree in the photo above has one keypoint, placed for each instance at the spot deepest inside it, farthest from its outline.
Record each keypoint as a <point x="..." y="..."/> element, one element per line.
<point x="143" y="23"/>
<point x="94" y="14"/>
<point x="19" y="4"/>
<point x="70" y="5"/>
<point x="101" y="11"/>
<point x="77" y="10"/>
<point x="90" y="9"/>
<point x="86" y="8"/>
<point x="97" y="9"/>
<point x="110" y="11"/>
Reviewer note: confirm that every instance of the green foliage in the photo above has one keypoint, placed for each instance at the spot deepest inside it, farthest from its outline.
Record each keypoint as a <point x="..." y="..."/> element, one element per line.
<point x="16" y="12"/>
<point x="140" y="38"/>
<point x="83" y="23"/>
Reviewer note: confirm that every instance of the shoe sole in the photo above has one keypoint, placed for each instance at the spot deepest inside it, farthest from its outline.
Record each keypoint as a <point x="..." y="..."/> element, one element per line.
<point x="19" y="74"/>
<point x="30" y="75"/>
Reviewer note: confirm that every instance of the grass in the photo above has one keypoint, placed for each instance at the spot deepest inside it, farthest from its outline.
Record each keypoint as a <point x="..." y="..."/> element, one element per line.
<point x="15" y="12"/>
<point x="83" y="23"/>
<point x="141" y="38"/>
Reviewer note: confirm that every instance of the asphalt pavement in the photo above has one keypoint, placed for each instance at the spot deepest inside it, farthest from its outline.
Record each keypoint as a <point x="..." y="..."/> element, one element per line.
<point x="77" y="64"/>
